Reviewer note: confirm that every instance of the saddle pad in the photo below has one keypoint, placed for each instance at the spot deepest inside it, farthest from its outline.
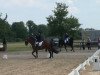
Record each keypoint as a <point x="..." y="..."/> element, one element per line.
<point x="40" y="43"/>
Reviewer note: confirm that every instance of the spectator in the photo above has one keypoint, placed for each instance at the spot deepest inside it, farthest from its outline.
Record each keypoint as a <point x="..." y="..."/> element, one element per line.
<point x="4" y="44"/>
<point x="99" y="43"/>
<point x="83" y="44"/>
<point x="89" y="43"/>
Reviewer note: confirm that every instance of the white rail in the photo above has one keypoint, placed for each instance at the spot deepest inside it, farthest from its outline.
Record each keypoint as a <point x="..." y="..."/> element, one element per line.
<point x="86" y="62"/>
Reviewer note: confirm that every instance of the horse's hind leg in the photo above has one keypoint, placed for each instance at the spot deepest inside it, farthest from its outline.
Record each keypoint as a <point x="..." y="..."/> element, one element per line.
<point x="60" y="46"/>
<point x="52" y="54"/>
<point x="72" y="49"/>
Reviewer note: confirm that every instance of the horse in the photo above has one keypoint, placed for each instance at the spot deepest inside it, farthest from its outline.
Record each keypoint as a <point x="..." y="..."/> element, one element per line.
<point x="69" y="43"/>
<point x="45" y="45"/>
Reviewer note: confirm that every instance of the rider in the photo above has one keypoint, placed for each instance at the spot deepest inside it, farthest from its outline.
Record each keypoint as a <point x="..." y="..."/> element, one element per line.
<point x="39" y="39"/>
<point x="66" y="38"/>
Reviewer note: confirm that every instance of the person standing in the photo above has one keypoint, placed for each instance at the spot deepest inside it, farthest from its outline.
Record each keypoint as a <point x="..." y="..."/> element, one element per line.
<point x="99" y="43"/>
<point x="4" y="44"/>
<point x="82" y="44"/>
<point x="5" y="56"/>
<point x="89" y="43"/>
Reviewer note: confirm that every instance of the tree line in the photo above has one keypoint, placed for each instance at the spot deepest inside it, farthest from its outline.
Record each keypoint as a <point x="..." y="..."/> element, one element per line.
<point x="57" y="24"/>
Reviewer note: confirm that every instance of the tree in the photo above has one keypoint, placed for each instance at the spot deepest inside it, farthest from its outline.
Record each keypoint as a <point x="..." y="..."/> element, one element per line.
<point x="4" y="18"/>
<point x="72" y="26"/>
<point x="59" y="23"/>
<point x="19" y="29"/>
<point x="32" y="27"/>
<point x="5" y="30"/>
<point x="43" y="29"/>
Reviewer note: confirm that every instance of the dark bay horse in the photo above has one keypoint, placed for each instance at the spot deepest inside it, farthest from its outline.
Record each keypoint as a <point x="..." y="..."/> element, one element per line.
<point x="69" y="43"/>
<point x="45" y="45"/>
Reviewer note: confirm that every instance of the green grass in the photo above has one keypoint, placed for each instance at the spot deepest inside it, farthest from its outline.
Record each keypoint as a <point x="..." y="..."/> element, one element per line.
<point x="18" y="46"/>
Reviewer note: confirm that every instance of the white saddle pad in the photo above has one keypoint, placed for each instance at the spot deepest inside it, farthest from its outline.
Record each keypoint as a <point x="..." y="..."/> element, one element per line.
<point x="39" y="43"/>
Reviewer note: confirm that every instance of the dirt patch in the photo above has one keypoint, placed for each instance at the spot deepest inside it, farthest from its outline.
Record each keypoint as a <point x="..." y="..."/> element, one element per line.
<point x="23" y="63"/>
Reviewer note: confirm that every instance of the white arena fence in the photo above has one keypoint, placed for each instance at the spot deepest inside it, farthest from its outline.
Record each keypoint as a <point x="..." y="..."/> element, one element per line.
<point x="86" y="62"/>
<point x="1" y="46"/>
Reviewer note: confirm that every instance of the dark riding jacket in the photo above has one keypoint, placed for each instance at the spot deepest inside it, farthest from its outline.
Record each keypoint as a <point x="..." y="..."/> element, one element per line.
<point x="66" y="36"/>
<point x="39" y="38"/>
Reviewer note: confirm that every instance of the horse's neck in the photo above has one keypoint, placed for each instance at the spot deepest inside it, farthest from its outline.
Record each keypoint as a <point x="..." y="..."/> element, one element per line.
<point x="32" y="43"/>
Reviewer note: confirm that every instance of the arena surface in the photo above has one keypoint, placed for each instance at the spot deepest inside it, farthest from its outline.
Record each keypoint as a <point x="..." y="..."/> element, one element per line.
<point x="23" y="63"/>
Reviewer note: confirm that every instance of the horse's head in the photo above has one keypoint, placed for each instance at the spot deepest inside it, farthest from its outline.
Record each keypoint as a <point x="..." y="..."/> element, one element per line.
<point x="26" y="41"/>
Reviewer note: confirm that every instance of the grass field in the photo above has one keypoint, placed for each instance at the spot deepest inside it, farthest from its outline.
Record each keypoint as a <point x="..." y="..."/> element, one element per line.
<point x="18" y="46"/>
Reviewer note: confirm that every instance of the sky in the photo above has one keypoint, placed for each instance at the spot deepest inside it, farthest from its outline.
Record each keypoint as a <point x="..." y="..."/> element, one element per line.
<point x="87" y="11"/>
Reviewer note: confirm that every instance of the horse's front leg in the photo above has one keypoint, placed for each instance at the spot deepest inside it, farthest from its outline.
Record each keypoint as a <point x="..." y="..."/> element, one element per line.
<point x="36" y="53"/>
<point x="65" y="47"/>
<point x="33" y="53"/>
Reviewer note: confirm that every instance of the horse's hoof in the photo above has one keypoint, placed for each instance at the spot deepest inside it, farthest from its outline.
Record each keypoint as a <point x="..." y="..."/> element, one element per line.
<point x="35" y="57"/>
<point x="50" y="57"/>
